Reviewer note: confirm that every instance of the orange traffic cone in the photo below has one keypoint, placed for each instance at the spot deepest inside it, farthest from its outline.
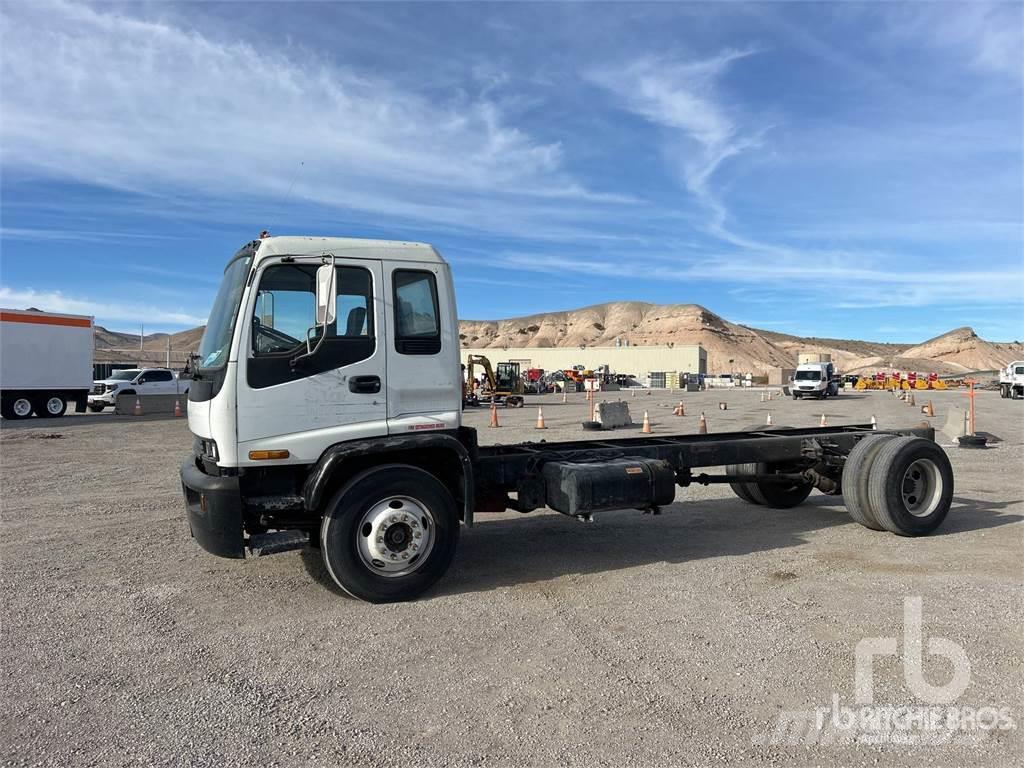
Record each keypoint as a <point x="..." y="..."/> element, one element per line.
<point x="646" y="429"/>
<point x="564" y="395"/>
<point x="874" y="424"/>
<point x="177" y="408"/>
<point x="138" y="407"/>
<point x="540" y="419"/>
<point x="768" y="421"/>
<point x="931" y="408"/>
<point x="762" y="396"/>
<point x="680" y="409"/>
<point x="494" y="415"/>
<point x="824" y="423"/>
<point x="912" y="403"/>
<point x="702" y="425"/>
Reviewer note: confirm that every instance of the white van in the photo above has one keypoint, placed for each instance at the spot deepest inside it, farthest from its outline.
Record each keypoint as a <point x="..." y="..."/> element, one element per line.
<point x="815" y="380"/>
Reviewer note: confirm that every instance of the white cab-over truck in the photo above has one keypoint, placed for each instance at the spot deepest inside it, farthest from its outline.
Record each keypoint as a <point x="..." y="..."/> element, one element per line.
<point x="45" y="363"/>
<point x="1011" y="380"/>
<point x="326" y="405"/>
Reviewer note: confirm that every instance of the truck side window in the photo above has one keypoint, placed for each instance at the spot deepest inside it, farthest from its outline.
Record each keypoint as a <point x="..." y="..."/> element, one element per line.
<point x="284" y="313"/>
<point x="417" y="319"/>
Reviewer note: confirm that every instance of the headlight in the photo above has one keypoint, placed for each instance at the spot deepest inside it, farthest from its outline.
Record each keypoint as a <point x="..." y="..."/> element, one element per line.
<point x="205" y="448"/>
<point x="112" y="387"/>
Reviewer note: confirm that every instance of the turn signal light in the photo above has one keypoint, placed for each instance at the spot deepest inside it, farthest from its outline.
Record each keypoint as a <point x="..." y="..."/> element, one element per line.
<point x="264" y="455"/>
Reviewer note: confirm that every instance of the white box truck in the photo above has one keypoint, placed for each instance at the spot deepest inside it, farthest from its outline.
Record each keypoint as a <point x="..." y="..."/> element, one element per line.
<point x="45" y="363"/>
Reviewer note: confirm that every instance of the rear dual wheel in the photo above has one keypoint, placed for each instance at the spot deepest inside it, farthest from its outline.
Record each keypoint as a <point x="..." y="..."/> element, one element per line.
<point x="15" y="407"/>
<point x="50" y="407"/>
<point x="900" y="484"/>
<point x="766" y="492"/>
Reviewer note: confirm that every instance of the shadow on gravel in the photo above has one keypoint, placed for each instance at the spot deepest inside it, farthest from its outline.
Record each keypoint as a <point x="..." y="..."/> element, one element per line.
<point x="505" y="552"/>
<point x="976" y="514"/>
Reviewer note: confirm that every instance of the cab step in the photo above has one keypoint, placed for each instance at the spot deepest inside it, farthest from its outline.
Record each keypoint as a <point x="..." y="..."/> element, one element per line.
<point x="261" y="544"/>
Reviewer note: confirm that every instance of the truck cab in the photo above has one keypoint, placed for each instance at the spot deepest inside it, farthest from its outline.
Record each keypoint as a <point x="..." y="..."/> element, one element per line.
<point x="815" y="380"/>
<point x="1011" y="380"/>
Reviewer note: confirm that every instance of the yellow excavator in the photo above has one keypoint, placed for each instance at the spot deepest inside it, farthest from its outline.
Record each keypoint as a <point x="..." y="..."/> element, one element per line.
<point x="503" y="385"/>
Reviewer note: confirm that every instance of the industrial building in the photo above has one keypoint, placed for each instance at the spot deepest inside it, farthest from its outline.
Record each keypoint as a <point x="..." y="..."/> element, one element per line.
<point x="638" y="361"/>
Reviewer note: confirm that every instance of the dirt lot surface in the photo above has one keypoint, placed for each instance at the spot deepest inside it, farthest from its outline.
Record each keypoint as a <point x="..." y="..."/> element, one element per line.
<point x="677" y="639"/>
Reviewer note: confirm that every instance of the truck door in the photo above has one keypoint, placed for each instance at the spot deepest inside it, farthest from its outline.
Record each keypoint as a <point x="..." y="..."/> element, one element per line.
<point x="306" y="405"/>
<point x="424" y="377"/>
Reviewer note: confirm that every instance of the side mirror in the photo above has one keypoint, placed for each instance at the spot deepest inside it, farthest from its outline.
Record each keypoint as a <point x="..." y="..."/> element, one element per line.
<point x="326" y="294"/>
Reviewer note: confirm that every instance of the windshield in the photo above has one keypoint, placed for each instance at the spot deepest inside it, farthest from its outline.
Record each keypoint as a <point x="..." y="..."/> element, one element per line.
<point x="808" y="375"/>
<point x="213" y="350"/>
<point x="125" y="375"/>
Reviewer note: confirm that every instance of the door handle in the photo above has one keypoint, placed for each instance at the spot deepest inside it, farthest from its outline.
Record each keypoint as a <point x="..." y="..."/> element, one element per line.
<point x="366" y="385"/>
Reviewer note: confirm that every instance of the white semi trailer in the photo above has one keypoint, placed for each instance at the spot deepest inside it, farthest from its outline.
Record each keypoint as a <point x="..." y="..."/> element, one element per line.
<point x="45" y="363"/>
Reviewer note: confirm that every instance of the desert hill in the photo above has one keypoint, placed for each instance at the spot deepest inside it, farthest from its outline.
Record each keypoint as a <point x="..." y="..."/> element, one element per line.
<point x="748" y="349"/>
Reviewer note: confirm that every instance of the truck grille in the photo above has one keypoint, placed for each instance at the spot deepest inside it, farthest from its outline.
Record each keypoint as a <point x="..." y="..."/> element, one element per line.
<point x="97" y="389"/>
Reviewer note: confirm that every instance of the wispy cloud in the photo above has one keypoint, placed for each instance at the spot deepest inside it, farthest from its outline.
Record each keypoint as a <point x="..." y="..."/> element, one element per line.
<point x="140" y="105"/>
<point x="681" y="95"/>
<point x="106" y="311"/>
<point x="987" y="36"/>
<point x="846" y="281"/>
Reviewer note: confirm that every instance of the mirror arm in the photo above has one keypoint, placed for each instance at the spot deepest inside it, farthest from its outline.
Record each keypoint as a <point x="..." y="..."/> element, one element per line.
<point x="312" y="350"/>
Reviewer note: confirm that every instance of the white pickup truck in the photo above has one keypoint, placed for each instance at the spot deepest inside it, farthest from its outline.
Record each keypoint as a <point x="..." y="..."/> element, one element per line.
<point x="1011" y="380"/>
<point x="134" y="381"/>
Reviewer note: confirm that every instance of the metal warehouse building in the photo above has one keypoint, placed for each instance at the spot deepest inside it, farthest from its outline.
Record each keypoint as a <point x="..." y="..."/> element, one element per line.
<point x="638" y="361"/>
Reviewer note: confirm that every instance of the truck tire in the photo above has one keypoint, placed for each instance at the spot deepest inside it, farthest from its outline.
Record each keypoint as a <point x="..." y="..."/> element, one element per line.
<point x="856" y="472"/>
<point x="782" y="495"/>
<point x="14" y="407"/>
<point x="774" y="495"/>
<point x="50" y="406"/>
<point x="743" y="490"/>
<point x="389" y="534"/>
<point x="911" y="486"/>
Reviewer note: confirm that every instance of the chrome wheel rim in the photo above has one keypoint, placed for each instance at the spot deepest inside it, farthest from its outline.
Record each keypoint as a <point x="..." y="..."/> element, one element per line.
<point x="922" y="488"/>
<point x="54" y="405"/>
<point x="395" y="536"/>
<point x="22" y="407"/>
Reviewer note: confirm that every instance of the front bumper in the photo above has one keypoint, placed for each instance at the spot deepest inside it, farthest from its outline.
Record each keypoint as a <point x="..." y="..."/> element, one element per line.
<point x="214" y="508"/>
<point x="108" y="398"/>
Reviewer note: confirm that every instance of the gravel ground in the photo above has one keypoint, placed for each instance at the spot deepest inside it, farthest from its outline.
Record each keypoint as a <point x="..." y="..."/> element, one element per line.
<point x="634" y="640"/>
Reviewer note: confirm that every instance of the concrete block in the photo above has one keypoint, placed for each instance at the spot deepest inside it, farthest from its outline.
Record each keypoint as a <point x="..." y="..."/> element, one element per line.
<point x="152" y="405"/>
<point x="612" y="415"/>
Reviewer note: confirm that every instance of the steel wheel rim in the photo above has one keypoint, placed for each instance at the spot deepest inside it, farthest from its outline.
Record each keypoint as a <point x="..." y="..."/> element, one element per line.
<point x="921" y="488"/>
<point x="22" y="407"/>
<point x="395" y="536"/>
<point x="54" y="404"/>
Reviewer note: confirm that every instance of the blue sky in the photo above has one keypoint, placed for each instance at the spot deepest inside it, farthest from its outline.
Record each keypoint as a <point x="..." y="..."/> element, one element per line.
<point x="837" y="169"/>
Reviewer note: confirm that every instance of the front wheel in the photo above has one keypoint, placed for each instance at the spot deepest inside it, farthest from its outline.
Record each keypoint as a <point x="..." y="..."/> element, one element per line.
<point x="96" y="407"/>
<point x="389" y="534"/>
